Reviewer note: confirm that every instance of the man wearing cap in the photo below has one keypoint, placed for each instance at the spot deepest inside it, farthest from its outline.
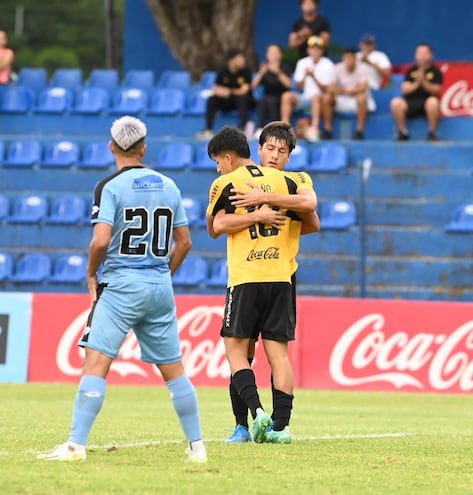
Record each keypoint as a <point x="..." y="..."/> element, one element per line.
<point x="312" y="76"/>
<point x="379" y="65"/>
<point x="141" y="237"/>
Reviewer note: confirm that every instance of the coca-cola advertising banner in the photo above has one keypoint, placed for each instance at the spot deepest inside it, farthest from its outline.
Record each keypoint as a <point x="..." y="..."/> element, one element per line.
<point x="457" y="89"/>
<point x="352" y="344"/>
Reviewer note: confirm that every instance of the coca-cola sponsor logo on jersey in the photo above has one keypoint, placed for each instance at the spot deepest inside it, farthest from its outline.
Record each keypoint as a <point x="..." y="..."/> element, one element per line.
<point x="368" y="353"/>
<point x="263" y="254"/>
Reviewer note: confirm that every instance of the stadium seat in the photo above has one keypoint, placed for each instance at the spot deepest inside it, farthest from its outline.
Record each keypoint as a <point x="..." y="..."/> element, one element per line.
<point x="129" y="101"/>
<point x="32" y="267"/>
<point x="23" y="153"/>
<point x="67" y="78"/>
<point x="254" y="147"/>
<point x="69" y="269"/>
<point x="6" y="266"/>
<point x="462" y="219"/>
<point x="193" y="209"/>
<point x="60" y="154"/>
<point x="203" y="160"/>
<point x="193" y="271"/>
<point x="337" y="215"/>
<point x="92" y="101"/>
<point x="328" y="158"/>
<point x="298" y="158"/>
<point x="383" y="98"/>
<point x="219" y="275"/>
<point x="68" y="209"/>
<point x="33" y="77"/>
<point x="2" y="152"/>
<point x="54" y="100"/>
<point x="207" y="79"/>
<point x="29" y="209"/>
<point x="177" y="79"/>
<point x="104" y="78"/>
<point x="167" y="101"/>
<point x="174" y="155"/>
<point x="4" y="207"/>
<point x="17" y="100"/>
<point x="143" y="79"/>
<point x="196" y="104"/>
<point x="97" y="155"/>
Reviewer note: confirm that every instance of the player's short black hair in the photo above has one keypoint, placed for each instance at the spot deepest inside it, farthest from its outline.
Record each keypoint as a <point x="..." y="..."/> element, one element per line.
<point x="232" y="53"/>
<point x="279" y="130"/>
<point x="229" y="139"/>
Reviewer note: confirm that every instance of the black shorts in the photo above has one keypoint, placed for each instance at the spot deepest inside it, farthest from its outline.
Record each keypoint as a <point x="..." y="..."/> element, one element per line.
<point x="415" y="107"/>
<point x="265" y="307"/>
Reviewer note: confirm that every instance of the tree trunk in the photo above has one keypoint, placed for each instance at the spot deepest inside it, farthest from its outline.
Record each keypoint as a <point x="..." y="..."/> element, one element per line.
<point x="199" y="32"/>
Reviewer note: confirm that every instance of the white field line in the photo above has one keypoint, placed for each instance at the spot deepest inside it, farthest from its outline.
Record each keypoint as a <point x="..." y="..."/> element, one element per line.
<point x="151" y="443"/>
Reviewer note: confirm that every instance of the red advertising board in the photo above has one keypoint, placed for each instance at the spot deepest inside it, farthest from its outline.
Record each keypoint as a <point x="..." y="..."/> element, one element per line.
<point x="457" y="89"/>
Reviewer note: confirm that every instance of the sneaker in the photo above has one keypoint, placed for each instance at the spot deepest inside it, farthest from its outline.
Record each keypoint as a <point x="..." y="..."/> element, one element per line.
<point x="312" y="134"/>
<point x="197" y="455"/>
<point x="207" y="134"/>
<point x="240" y="435"/>
<point x="68" y="451"/>
<point x="359" y="135"/>
<point x="431" y="136"/>
<point x="260" y="424"/>
<point x="283" y="436"/>
<point x="327" y="135"/>
<point x="402" y="136"/>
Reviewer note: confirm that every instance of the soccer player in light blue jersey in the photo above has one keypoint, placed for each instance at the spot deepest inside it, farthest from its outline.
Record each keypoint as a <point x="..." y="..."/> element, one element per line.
<point x="141" y="237"/>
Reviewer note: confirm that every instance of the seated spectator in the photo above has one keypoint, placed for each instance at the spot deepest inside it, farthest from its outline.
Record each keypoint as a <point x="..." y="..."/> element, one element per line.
<point x="420" y="94"/>
<point x="6" y="59"/>
<point x="348" y="93"/>
<point x="379" y="65"/>
<point x="310" y="24"/>
<point x="313" y="75"/>
<point x="231" y="91"/>
<point x="275" y="79"/>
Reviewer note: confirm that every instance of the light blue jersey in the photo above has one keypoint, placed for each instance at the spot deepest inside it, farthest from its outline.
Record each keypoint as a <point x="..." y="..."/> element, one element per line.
<point x="143" y="207"/>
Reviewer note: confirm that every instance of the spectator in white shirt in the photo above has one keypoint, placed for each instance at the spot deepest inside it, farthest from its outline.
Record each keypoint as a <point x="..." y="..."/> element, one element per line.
<point x="379" y="65"/>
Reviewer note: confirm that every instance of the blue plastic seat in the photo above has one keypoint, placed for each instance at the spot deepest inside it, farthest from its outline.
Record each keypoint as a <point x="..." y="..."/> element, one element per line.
<point x="337" y="215"/>
<point x="207" y="80"/>
<point x="69" y="209"/>
<point x="29" y="209"/>
<point x="192" y="272"/>
<point x="17" y="99"/>
<point x="23" y="153"/>
<point x="167" y="101"/>
<point x="254" y="147"/>
<point x="67" y="78"/>
<point x="328" y="158"/>
<point x="462" y="219"/>
<point x="193" y="209"/>
<point x="96" y="155"/>
<point x="129" y="101"/>
<point x="104" y="78"/>
<point x="92" y="101"/>
<point x="69" y="269"/>
<point x="143" y="79"/>
<point x="6" y="266"/>
<point x="174" y="155"/>
<point x="32" y="267"/>
<point x="54" y="100"/>
<point x="61" y="154"/>
<point x="35" y="78"/>
<point x="177" y="79"/>
<point x="196" y="104"/>
<point x="298" y="158"/>
<point x="203" y="160"/>
<point x="219" y="275"/>
<point x="4" y="207"/>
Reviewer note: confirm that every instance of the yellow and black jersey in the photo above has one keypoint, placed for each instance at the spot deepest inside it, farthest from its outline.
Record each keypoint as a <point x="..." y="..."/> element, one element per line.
<point x="259" y="253"/>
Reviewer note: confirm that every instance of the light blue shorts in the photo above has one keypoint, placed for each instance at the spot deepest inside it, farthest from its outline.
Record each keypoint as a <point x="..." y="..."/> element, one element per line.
<point x="149" y="309"/>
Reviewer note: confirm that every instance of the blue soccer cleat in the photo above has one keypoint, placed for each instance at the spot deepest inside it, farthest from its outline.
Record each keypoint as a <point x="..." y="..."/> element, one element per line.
<point x="240" y="435"/>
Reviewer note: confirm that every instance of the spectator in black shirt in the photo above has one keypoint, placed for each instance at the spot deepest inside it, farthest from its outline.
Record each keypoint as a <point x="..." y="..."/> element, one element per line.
<point x="420" y="94"/>
<point x="308" y="25"/>
<point x="231" y="91"/>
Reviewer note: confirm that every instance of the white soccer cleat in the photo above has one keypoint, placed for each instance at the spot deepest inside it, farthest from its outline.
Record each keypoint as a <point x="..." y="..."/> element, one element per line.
<point x="197" y="455"/>
<point x="68" y="451"/>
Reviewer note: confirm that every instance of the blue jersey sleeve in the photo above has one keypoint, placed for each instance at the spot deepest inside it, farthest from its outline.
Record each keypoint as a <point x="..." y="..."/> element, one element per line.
<point x="105" y="210"/>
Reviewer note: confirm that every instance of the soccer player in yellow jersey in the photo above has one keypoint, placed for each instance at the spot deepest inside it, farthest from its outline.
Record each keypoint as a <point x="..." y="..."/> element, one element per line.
<point x="261" y="262"/>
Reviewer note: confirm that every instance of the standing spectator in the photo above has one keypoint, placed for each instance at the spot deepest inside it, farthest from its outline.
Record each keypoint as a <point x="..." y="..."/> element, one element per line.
<point x="420" y="94"/>
<point x="308" y="25"/>
<point x="141" y="236"/>
<point x="379" y="65"/>
<point x="6" y="59"/>
<point x="348" y="93"/>
<point x="275" y="79"/>
<point x="313" y="75"/>
<point x="231" y="91"/>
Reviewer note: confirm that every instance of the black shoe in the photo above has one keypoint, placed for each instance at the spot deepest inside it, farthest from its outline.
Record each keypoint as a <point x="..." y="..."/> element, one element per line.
<point x="326" y="135"/>
<point x="359" y="135"/>
<point x="402" y="136"/>
<point x="431" y="136"/>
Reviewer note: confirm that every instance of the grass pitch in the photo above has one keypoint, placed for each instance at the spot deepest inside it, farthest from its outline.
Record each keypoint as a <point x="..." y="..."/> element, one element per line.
<point x="344" y="443"/>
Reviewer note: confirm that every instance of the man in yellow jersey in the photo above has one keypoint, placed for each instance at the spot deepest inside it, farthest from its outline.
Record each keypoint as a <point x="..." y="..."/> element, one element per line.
<point x="261" y="263"/>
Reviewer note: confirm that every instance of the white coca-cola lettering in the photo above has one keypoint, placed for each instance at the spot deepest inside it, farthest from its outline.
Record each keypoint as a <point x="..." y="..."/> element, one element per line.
<point x="457" y="100"/>
<point x="199" y="355"/>
<point x="395" y="358"/>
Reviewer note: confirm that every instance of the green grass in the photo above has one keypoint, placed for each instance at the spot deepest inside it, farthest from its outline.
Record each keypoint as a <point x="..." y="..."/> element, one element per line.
<point x="338" y="447"/>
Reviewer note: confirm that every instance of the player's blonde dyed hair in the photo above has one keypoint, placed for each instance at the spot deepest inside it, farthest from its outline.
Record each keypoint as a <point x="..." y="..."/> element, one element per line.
<point x="127" y="131"/>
